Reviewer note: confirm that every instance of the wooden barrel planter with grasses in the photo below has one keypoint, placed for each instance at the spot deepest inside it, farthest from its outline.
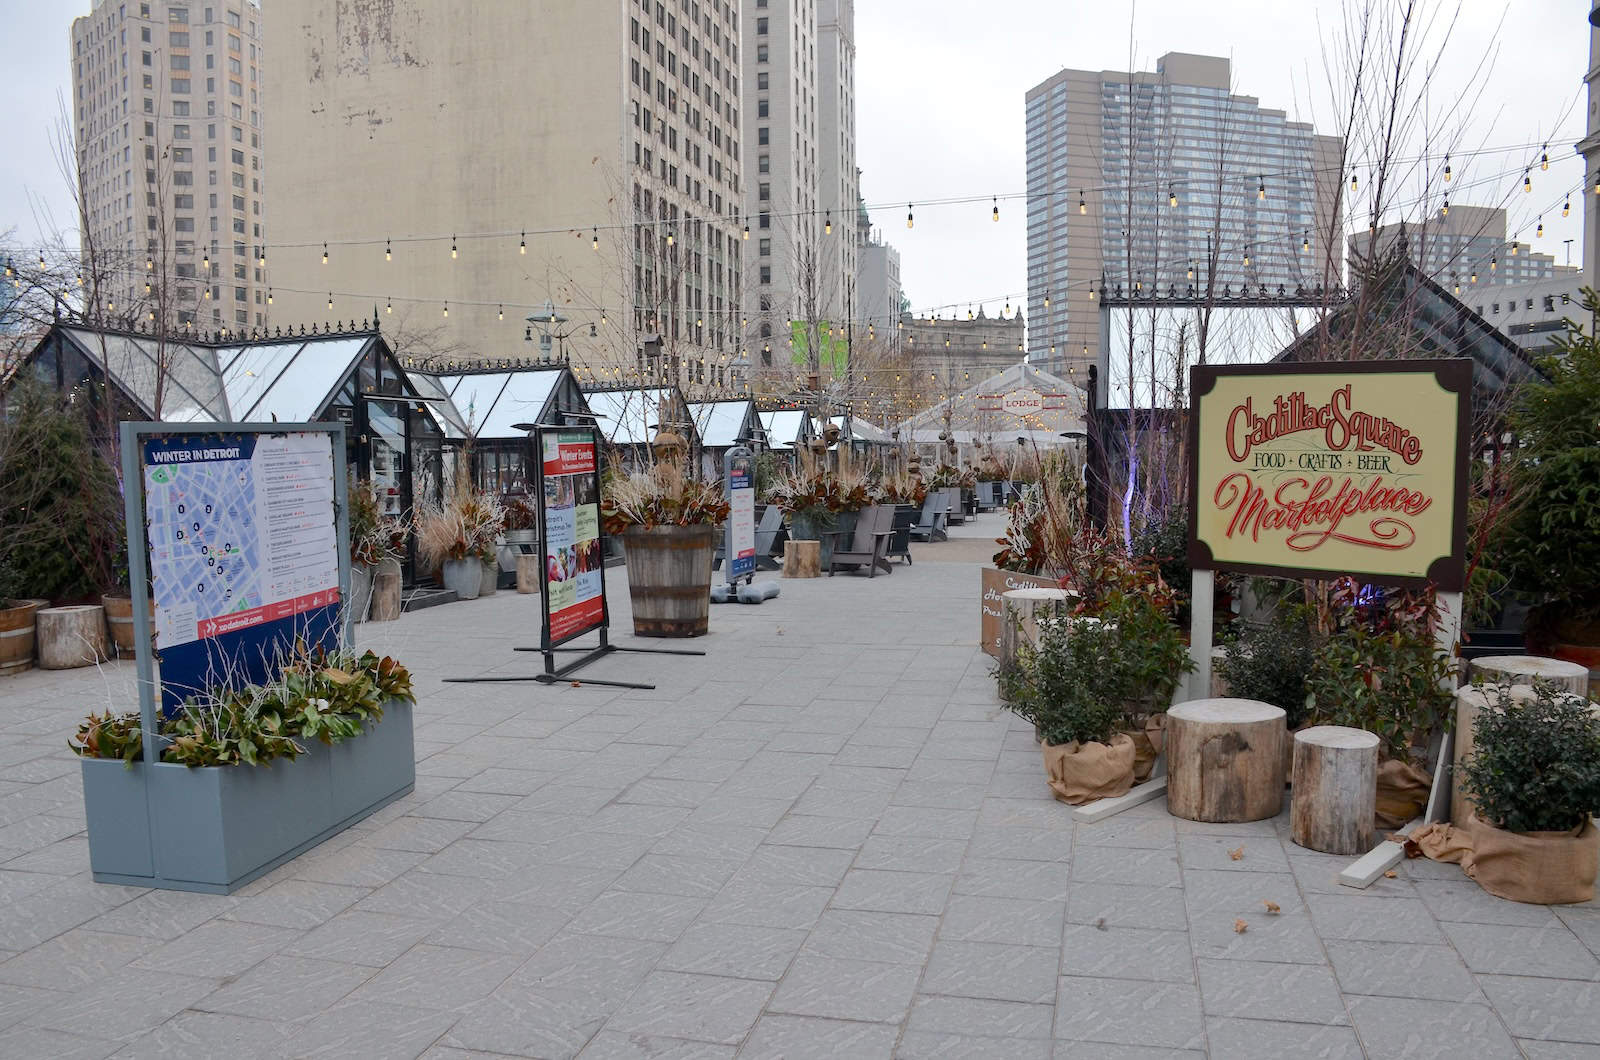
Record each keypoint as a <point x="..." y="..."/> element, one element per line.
<point x="16" y="636"/>
<point x="669" y="579"/>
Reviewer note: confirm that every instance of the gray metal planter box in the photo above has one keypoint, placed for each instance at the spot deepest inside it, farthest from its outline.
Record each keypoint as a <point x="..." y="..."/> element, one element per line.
<point x="215" y="829"/>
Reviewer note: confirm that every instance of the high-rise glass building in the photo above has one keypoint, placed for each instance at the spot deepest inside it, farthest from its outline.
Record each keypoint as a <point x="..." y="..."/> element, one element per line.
<point x="1171" y="179"/>
<point x="1464" y="250"/>
<point x="167" y="126"/>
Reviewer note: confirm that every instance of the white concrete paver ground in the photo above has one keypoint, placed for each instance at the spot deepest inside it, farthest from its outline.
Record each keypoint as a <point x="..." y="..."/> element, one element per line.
<point x="824" y="838"/>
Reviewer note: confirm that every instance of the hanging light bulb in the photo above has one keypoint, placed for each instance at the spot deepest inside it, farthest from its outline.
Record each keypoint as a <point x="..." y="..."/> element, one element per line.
<point x="910" y="221"/>
<point x="1172" y="195"/>
<point x="1544" y="157"/>
<point x="1447" y="169"/>
<point x="330" y="300"/>
<point x="1047" y="299"/>
<point x="1514" y="248"/>
<point x="1091" y="290"/>
<point x="452" y="248"/>
<point x="269" y="296"/>
<point x="110" y="306"/>
<point x="522" y="246"/>
<point x="324" y="253"/>
<point x="80" y="274"/>
<point x="1444" y="211"/>
<point x="1527" y="182"/>
<point x="1474" y="275"/>
<point x="146" y="286"/>
<point x="502" y="312"/>
<point x="149" y="263"/>
<point x="827" y="224"/>
<point x="388" y="252"/>
<point x="1261" y="189"/>
<point x="208" y="293"/>
<point x="747" y="230"/>
<point x="1457" y="281"/>
<point x="1539" y="232"/>
<point x="1083" y="207"/>
<point x="1305" y="242"/>
<point x="1566" y="206"/>
<point x="1191" y="268"/>
<point x="1353" y="182"/>
<point x="669" y="237"/>
<point x="1247" y="255"/>
<point x="388" y="305"/>
<point x="205" y="262"/>
<point x="447" y="309"/>
<point x="1493" y="261"/>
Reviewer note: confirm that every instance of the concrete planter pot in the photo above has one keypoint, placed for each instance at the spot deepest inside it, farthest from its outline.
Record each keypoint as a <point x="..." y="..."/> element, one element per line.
<point x="464" y="577"/>
<point x="489" y="578"/>
<point x="360" y="591"/>
<point x="214" y="829"/>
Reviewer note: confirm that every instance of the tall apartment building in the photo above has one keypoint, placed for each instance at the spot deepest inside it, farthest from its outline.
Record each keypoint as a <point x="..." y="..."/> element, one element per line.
<point x="465" y="164"/>
<point x="878" y="290"/>
<point x="1589" y="148"/>
<point x="1143" y="178"/>
<point x="1466" y="249"/>
<point x="167" y="123"/>
<point x="803" y="187"/>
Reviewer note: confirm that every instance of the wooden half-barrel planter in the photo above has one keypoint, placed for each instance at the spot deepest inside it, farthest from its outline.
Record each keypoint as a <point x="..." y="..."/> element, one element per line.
<point x="16" y="636"/>
<point x="669" y="578"/>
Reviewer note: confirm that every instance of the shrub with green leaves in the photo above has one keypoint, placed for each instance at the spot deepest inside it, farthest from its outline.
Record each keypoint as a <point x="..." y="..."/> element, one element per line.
<point x="1270" y="663"/>
<point x="1086" y="677"/>
<point x="1535" y="765"/>
<point x="1388" y="681"/>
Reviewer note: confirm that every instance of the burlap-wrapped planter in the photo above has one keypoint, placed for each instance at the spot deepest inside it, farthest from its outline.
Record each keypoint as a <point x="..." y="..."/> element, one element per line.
<point x="1540" y="868"/>
<point x="1083" y="772"/>
<point x="1148" y="742"/>
<point x="1402" y="793"/>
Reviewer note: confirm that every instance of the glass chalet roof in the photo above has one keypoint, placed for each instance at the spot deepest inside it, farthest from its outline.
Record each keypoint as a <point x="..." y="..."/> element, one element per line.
<point x="785" y="427"/>
<point x="720" y="422"/>
<point x="631" y="416"/>
<point x="490" y="404"/>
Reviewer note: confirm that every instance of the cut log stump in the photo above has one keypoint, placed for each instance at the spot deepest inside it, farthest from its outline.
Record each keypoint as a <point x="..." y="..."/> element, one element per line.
<point x="802" y="559"/>
<point x="1225" y="760"/>
<point x="71" y="636"/>
<point x="528" y="570"/>
<point x="1021" y="610"/>
<point x="1525" y="669"/>
<point x="1335" y="789"/>
<point x="385" y="597"/>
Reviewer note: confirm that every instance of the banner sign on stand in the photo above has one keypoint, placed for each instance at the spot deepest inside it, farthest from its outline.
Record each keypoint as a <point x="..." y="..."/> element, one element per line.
<point x="1325" y="470"/>
<point x="739" y="482"/>
<point x="569" y="510"/>
<point x="244" y="549"/>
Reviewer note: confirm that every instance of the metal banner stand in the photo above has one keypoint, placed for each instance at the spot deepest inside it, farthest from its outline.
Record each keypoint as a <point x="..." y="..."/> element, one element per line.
<point x="553" y="445"/>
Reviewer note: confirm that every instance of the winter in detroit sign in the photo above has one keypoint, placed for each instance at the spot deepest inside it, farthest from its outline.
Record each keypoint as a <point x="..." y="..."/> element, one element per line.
<point x="1327" y="469"/>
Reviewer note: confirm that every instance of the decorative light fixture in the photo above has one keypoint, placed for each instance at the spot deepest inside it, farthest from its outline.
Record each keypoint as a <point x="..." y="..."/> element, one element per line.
<point x="1474" y="274"/>
<point x="1539" y="232"/>
<point x="1544" y="157"/>
<point x="669" y="237"/>
<point x="269" y="296"/>
<point x="452" y="248"/>
<point x="205" y="263"/>
<point x="1457" y="281"/>
<point x="827" y="223"/>
<point x="1444" y="211"/>
<point x="1527" y="182"/>
<point x="1566" y="207"/>
<point x="996" y="214"/>
<point x="324" y="253"/>
<point x="1047" y="299"/>
<point x="1261" y="189"/>
<point x="1493" y="261"/>
<point x="447" y="309"/>
<point x="149" y="263"/>
<point x="1172" y="195"/>
<point x="1083" y="207"/>
<point x="1247" y="255"/>
<point x="1191" y="268"/>
<point x="747" y="230"/>
<point x="1305" y="242"/>
<point x="522" y="246"/>
<point x="910" y="220"/>
<point x="388" y="252"/>
<point x="502" y="312"/>
<point x="1447" y="169"/>
<point x="330" y="300"/>
<point x="1091" y="290"/>
<point x="1353" y="182"/>
<point x="388" y="305"/>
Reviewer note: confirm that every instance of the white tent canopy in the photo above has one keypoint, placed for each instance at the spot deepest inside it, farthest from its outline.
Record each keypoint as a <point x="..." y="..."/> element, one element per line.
<point x="786" y="427"/>
<point x="1020" y="402"/>
<point x="721" y="423"/>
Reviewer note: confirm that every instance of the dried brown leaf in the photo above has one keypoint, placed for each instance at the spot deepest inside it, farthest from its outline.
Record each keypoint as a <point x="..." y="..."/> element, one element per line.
<point x="1240" y="927"/>
<point x="1237" y="854"/>
<point x="1272" y="907"/>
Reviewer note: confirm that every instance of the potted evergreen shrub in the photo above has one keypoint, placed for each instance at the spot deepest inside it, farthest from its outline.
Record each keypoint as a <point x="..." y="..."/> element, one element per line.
<point x="667" y="522"/>
<point x="1379" y="669"/>
<point x="1534" y="774"/>
<point x="1550" y="544"/>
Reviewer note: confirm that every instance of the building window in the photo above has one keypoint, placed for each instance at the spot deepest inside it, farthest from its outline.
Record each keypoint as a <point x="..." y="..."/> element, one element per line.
<point x="763" y="136"/>
<point x="761" y="27"/>
<point x="766" y="274"/>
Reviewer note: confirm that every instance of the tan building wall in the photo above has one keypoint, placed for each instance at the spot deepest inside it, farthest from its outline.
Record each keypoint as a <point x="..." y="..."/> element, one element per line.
<point x="417" y="126"/>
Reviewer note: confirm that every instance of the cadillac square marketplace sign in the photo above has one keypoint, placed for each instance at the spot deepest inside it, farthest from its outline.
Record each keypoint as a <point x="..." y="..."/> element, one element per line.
<point x="1322" y="470"/>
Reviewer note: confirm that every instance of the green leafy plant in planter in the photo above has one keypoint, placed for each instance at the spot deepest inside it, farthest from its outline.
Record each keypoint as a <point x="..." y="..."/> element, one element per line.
<point x="1088" y="681"/>
<point x="325" y="696"/>
<point x="1271" y="663"/>
<point x="1550" y="544"/>
<point x="1534" y="774"/>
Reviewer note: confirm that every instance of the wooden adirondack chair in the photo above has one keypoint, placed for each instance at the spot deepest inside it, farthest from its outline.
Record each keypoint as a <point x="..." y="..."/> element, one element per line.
<point x="867" y="544"/>
<point x="905" y="517"/>
<point x="930" y="524"/>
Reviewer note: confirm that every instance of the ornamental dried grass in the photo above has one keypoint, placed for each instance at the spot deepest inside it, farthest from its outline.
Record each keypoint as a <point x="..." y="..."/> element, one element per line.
<point x="661" y="496"/>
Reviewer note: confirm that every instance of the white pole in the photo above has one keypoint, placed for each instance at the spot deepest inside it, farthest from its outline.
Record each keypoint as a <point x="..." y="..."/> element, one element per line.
<point x="1202" y="595"/>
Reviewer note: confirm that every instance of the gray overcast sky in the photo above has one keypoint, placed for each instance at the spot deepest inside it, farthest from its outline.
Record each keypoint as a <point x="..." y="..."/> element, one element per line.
<point x="940" y="87"/>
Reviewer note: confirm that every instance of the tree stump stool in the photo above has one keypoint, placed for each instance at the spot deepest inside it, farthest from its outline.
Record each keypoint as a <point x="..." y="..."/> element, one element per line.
<point x="386" y="604"/>
<point x="1020" y="611"/>
<point x="1525" y="669"/>
<point x="529" y="568"/>
<point x="802" y="559"/>
<point x="70" y="637"/>
<point x="1225" y="760"/>
<point x="1335" y="789"/>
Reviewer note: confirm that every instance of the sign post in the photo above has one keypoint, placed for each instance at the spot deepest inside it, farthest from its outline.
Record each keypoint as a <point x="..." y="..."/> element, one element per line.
<point x="739" y="542"/>
<point x="573" y="602"/>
